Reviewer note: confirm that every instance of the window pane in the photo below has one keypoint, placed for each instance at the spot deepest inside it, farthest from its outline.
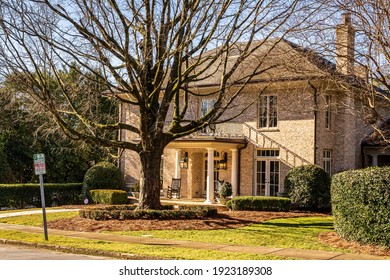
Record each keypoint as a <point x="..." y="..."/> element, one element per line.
<point x="263" y="111"/>
<point x="207" y="104"/>
<point x="273" y="116"/>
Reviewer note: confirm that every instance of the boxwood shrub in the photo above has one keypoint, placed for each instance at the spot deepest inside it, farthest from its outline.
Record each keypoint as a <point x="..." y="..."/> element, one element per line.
<point x="127" y="212"/>
<point x="308" y="187"/>
<point x="259" y="203"/>
<point x="103" y="175"/>
<point x="361" y="205"/>
<point x="103" y="196"/>
<point x="23" y="195"/>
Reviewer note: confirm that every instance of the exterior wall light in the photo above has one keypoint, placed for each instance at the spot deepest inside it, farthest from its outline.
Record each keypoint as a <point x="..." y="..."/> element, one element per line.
<point x="184" y="161"/>
<point x="223" y="162"/>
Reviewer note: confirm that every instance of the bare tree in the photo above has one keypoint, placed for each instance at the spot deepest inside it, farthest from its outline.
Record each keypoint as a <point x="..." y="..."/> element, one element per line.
<point x="371" y="20"/>
<point x="150" y="54"/>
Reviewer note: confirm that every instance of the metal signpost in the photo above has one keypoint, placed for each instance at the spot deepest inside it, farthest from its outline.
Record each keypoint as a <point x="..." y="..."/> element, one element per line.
<point x="40" y="169"/>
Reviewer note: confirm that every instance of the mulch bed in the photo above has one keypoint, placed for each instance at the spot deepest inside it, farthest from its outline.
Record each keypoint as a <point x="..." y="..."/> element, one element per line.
<point x="223" y="220"/>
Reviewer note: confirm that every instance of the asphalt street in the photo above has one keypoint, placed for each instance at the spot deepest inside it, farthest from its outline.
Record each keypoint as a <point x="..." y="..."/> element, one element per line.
<point x="16" y="252"/>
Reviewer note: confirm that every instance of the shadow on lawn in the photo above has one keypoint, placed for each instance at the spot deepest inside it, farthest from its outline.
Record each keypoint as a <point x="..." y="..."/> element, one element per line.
<point x="319" y="225"/>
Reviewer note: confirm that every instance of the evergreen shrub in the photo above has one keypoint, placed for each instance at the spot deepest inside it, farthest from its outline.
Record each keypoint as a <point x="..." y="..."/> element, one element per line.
<point x="361" y="205"/>
<point x="259" y="203"/>
<point x="102" y="196"/>
<point x="128" y="212"/>
<point x="225" y="190"/>
<point x="23" y="195"/>
<point x="308" y="187"/>
<point x="103" y="175"/>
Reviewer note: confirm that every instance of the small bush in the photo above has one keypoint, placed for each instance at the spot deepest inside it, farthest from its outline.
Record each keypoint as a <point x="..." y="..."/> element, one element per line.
<point x="259" y="203"/>
<point x="225" y="190"/>
<point x="125" y="212"/>
<point x="103" y="175"/>
<point x="361" y="205"/>
<point x="308" y="187"/>
<point x="103" y="196"/>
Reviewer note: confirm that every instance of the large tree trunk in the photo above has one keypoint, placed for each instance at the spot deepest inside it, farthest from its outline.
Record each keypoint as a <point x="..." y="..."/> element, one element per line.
<point x="150" y="179"/>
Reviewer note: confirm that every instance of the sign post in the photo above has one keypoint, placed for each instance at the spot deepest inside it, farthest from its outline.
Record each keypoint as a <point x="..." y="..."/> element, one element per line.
<point x="40" y="169"/>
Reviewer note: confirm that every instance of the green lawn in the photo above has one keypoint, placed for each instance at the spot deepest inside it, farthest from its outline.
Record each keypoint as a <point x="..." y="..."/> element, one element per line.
<point x="280" y="233"/>
<point x="36" y="219"/>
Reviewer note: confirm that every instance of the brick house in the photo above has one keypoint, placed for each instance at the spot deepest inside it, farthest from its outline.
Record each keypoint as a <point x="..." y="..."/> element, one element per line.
<point x="294" y="114"/>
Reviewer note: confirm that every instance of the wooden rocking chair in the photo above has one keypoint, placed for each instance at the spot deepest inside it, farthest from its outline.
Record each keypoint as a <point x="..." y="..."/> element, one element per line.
<point x="174" y="189"/>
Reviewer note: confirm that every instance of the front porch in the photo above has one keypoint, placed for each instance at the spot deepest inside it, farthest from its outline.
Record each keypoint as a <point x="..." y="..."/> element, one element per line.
<point x="200" y="164"/>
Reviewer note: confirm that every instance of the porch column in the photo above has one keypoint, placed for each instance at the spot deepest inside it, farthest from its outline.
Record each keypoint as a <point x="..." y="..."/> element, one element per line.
<point x="234" y="178"/>
<point x="375" y="160"/>
<point x="177" y="164"/>
<point x="210" y="176"/>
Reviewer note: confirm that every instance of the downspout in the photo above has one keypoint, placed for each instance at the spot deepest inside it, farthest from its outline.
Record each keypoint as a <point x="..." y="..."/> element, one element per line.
<point x="239" y="169"/>
<point x="315" y="111"/>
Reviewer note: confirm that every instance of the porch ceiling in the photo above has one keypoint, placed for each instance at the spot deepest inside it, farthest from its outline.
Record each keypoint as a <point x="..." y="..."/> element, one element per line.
<point x="208" y="142"/>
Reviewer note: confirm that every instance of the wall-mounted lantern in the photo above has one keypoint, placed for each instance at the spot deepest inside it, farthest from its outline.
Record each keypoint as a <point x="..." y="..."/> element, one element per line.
<point x="184" y="161"/>
<point x="223" y="162"/>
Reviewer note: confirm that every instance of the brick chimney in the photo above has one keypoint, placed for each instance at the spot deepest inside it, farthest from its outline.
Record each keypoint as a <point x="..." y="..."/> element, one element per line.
<point x="345" y="46"/>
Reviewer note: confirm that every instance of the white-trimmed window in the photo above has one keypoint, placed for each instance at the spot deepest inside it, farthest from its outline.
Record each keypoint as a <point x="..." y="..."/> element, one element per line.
<point x="207" y="105"/>
<point x="268" y="113"/>
<point x="327" y="161"/>
<point x="328" y="115"/>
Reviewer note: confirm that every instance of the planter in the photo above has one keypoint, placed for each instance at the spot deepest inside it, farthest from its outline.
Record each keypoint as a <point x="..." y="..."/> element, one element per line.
<point x="135" y="194"/>
<point x="223" y="200"/>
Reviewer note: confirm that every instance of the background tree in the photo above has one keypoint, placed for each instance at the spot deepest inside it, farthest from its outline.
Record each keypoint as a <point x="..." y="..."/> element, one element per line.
<point x="24" y="130"/>
<point x="149" y="54"/>
<point x="371" y="21"/>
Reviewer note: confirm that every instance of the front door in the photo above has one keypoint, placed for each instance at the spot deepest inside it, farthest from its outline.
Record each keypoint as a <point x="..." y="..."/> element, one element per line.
<point x="267" y="177"/>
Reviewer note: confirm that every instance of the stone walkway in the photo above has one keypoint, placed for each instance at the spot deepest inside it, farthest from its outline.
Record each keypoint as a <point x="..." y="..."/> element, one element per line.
<point x="280" y="252"/>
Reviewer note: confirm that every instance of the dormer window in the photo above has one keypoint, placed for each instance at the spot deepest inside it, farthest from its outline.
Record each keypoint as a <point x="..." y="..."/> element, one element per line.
<point x="268" y="113"/>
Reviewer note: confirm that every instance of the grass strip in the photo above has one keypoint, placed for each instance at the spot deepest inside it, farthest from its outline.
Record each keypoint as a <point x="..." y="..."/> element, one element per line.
<point x="163" y="252"/>
<point x="299" y="233"/>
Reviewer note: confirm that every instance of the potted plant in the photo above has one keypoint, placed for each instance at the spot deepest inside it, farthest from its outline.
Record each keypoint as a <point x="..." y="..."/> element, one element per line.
<point x="225" y="191"/>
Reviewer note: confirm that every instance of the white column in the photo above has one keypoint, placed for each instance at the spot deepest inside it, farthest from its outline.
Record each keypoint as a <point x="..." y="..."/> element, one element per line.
<point x="374" y="160"/>
<point x="177" y="164"/>
<point x="210" y="176"/>
<point x="234" y="178"/>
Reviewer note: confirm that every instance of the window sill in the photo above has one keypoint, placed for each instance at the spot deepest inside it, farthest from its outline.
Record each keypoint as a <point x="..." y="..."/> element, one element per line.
<point x="268" y="129"/>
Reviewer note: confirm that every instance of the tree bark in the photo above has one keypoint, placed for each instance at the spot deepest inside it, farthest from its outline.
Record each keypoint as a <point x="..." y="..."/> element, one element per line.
<point x="150" y="178"/>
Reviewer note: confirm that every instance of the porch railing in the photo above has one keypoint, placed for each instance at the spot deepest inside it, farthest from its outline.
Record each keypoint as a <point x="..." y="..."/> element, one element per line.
<point x="261" y="140"/>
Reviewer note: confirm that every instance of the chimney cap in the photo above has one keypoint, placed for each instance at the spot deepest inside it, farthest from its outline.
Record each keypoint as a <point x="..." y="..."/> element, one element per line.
<point x="346" y="19"/>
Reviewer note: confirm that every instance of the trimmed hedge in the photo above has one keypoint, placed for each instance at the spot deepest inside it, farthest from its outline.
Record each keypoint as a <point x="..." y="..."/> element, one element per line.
<point x="260" y="203"/>
<point x="128" y="212"/>
<point x="109" y="196"/>
<point x="23" y="195"/>
<point x="361" y="205"/>
<point x="103" y="175"/>
<point x="308" y="187"/>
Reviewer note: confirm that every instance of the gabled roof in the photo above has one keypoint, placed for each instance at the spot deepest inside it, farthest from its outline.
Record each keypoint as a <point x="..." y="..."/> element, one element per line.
<point x="273" y="60"/>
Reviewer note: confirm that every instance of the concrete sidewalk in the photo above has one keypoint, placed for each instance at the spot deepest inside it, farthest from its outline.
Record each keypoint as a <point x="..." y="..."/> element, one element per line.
<point x="280" y="252"/>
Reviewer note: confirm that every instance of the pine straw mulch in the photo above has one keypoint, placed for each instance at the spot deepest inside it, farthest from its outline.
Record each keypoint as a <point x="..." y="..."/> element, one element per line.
<point x="224" y="220"/>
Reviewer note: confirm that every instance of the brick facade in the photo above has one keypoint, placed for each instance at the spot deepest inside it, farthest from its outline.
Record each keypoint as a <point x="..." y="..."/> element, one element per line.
<point x="315" y="118"/>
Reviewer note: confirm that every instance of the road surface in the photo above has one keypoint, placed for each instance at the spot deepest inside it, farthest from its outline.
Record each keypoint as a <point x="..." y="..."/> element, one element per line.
<point x="16" y="252"/>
